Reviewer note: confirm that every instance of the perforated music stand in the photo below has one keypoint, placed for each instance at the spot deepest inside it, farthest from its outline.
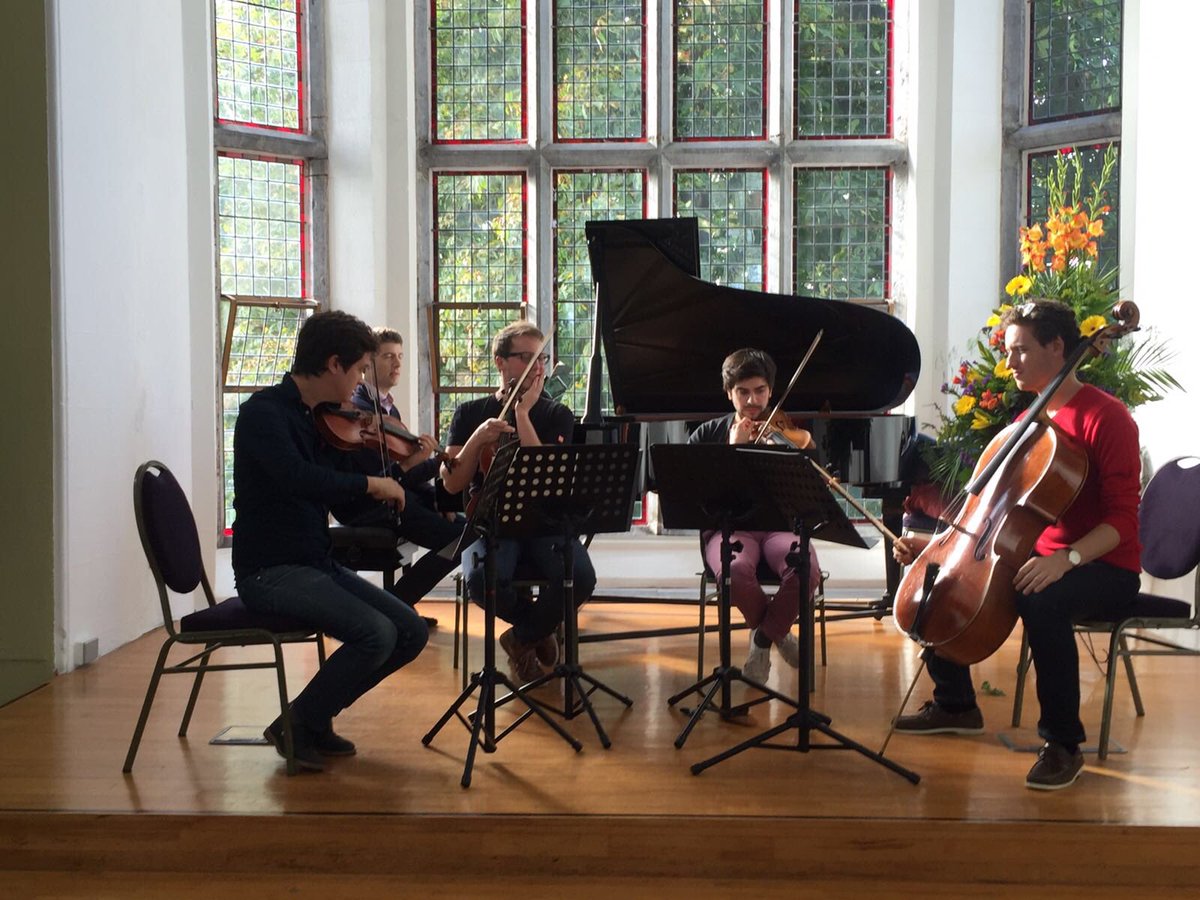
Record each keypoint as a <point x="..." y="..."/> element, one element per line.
<point x="502" y="487"/>
<point x="756" y="489"/>
<point x="569" y="491"/>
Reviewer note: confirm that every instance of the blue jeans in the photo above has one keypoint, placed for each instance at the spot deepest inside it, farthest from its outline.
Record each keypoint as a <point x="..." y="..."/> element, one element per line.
<point x="537" y="558"/>
<point x="379" y="633"/>
<point x="1097" y="591"/>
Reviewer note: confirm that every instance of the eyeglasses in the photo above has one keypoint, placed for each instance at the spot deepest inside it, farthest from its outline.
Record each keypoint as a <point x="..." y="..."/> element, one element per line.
<point x="526" y="356"/>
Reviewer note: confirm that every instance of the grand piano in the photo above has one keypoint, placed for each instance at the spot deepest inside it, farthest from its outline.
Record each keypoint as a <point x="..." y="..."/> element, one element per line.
<point x="664" y="333"/>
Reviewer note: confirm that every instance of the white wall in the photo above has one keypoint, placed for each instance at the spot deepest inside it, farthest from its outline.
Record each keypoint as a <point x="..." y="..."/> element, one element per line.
<point x="372" y="141"/>
<point x="1156" y="171"/>
<point x="135" y="308"/>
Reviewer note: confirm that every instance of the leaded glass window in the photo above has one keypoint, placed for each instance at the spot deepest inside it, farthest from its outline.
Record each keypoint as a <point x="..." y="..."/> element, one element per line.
<point x="579" y="197"/>
<point x="730" y="205"/>
<point x="1075" y="58"/>
<point x="720" y="69"/>
<point x="258" y="62"/>
<point x="599" y="70"/>
<point x="479" y="70"/>
<point x="843" y="69"/>
<point x="841" y="233"/>
<point x="479" y="246"/>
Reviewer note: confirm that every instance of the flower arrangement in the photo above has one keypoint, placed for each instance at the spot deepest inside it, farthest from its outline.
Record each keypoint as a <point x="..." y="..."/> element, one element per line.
<point x="1059" y="260"/>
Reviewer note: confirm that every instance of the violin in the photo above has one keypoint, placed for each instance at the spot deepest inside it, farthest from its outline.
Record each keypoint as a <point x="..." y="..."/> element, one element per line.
<point x="958" y="596"/>
<point x="777" y="429"/>
<point x="349" y="428"/>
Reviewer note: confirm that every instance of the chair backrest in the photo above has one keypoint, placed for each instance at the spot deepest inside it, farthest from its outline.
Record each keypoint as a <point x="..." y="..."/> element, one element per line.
<point x="168" y="532"/>
<point x="1169" y="520"/>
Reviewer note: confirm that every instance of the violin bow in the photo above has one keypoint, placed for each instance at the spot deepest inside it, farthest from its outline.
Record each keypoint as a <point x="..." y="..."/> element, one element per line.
<point x="516" y="388"/>
<point x="791" y="384"/>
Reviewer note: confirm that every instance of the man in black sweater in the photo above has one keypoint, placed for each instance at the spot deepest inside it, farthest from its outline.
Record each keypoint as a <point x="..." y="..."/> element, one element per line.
<point x="285" y="479"/>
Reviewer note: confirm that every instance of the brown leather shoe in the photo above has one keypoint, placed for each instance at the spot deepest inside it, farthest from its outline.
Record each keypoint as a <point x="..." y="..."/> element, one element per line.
<point x="523" y="662"/>
<point x="932" y="719"/>
<point x="547" y="650"/>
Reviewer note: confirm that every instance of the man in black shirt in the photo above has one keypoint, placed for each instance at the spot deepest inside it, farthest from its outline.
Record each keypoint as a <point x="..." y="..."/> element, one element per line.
<point x="474" y="431"/>
<point x="285" y="479"/>
<point x="419" y="522"/>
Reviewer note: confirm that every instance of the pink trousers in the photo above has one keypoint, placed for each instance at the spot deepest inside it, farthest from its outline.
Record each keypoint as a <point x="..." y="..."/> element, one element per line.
<point x="773" y="615"/>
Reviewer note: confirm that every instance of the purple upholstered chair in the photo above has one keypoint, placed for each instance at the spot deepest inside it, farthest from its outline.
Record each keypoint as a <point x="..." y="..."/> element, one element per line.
<point x="1169" y="524"/>
<point x="168" y="532"/>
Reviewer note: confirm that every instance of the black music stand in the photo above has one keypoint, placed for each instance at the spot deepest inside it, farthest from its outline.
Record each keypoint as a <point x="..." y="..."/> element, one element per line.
<point x="502" y="488"/>
<point x="570" y="491"/>
<point x="778" y="492"/>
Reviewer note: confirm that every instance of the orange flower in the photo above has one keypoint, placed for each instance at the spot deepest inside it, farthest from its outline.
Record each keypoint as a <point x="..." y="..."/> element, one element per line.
<point x="1095" y="228"/>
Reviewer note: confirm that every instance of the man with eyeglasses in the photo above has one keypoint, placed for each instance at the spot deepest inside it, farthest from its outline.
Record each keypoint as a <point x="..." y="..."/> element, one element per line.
<point x="536" y="419"/>
<point x="419" y="521"/>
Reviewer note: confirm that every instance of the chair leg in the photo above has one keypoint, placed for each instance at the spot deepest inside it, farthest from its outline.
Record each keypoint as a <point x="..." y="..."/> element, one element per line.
<point x="289" y="742"/>
<point x="1133" y="684"/>
<point x="320" y="649"/>
<point x="199" y="679"/>
<point x="1022" y="670"/>
<point x="700" y="637"/>
<point x="1115" y="641"/>
<point x="821" y="611"/>
<point x="151" y="690"/>
<point x="457" y="616"/>
<point x="466" y="634"/>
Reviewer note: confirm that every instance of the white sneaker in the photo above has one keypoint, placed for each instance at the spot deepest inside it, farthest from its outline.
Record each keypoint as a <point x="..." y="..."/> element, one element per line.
<point x="789" y="649"/>
<point x="758" y="662"/>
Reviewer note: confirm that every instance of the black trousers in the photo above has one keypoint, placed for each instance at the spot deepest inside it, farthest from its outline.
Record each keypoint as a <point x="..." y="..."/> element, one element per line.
<point x="1096" y="591"/>
<point x="422" y="525"/>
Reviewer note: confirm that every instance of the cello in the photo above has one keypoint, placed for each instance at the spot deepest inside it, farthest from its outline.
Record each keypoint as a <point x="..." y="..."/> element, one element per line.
<point x="958" y="596"/>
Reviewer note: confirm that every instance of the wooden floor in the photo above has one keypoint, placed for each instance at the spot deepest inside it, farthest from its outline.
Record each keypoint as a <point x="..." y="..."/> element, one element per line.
<point x="630" y="819"/>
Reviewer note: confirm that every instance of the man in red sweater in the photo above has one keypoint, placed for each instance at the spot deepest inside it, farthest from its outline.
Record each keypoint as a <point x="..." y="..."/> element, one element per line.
<point x="1084" y="566"/>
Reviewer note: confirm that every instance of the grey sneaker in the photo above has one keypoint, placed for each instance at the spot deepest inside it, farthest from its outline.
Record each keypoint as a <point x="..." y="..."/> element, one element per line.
<point x="1056" y="768"/>
<point x="758" y="663"/>
<point x="789" y="649"/>
<point x="932" y="719"/>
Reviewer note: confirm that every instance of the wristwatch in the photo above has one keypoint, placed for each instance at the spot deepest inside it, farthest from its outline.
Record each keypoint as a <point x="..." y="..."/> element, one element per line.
<point x="1073" y="557"/>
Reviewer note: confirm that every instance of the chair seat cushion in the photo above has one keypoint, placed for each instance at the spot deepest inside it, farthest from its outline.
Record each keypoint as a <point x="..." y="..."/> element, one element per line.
<point x="1151" y="606"/>
<point x="232" y="615"/>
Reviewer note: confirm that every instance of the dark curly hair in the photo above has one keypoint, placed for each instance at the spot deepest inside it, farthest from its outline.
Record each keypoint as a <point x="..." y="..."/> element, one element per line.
<point x="1048" y="319"/>
<point x="747" y="363"/>
<point x="332" y="333"/>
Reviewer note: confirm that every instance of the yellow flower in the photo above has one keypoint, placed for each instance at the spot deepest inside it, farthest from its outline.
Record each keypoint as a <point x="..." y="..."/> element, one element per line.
<point x="1019" y="285"/>
<point x="1002" y="370"/>
<point x="973" y="377"/>
<point x="964" y="405"/>
<point x="1091" y="325"/>
<point x="980" y="421"/>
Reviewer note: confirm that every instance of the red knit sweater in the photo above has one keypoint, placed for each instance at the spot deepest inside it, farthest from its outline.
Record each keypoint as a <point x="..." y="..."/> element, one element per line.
<point x="1102" y="426"/>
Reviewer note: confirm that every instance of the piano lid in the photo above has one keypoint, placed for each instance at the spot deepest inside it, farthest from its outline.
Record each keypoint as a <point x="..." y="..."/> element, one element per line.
<point x="665" y="334"/>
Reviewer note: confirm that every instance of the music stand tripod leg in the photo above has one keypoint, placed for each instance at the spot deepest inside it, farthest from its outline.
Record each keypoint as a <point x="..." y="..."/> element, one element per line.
<point x="482" y="723"/>
<point x="805" y="719"/>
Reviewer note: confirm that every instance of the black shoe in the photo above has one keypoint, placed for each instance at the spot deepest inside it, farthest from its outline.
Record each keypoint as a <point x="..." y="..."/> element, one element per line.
<point x="303" y="747"/>
<point x="933" y="719"/>
<point x="1056" y="768"/>
<point x="430" y="621"/>
<point x="330" y="743"/>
